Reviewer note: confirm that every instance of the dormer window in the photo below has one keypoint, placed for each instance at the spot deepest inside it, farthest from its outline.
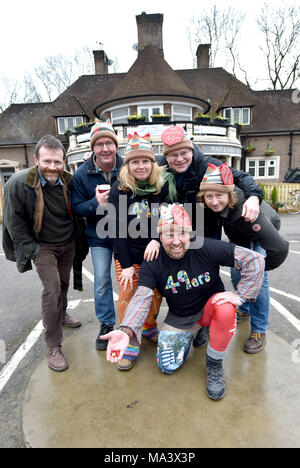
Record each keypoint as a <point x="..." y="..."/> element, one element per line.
<point x="237" y="114"/>
<point x="64" y="123"/>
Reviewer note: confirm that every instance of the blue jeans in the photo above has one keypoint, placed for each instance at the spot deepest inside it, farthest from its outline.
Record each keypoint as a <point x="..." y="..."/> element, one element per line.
<point x="258" y="310"/>
<point x="103" y="290"/>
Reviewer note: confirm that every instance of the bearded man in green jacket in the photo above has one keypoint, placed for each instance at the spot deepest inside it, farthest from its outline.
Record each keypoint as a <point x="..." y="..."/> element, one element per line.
<point x="38" y="227"/>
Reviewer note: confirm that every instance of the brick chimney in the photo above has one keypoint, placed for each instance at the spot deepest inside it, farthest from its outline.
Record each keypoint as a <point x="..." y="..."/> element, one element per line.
<point x="203" y="53"/>
<point x="101" y="62"/>
<point x="150" y="31"/>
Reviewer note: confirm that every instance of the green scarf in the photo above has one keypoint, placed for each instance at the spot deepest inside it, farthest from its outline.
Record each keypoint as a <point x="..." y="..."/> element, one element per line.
<point x="143" y="188"/>
<point x="170" y="178"/>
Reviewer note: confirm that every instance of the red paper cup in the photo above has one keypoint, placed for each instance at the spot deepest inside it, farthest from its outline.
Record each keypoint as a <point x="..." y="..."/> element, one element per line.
<point x="103" y="188"/>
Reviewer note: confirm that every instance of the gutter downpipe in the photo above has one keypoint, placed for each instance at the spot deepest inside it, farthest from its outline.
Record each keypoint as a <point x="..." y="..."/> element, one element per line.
<point x="26" y="156"/>
<point x="290" y="153"/>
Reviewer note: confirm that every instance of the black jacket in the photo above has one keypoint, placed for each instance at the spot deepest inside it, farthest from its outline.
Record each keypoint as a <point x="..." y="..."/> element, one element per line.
<point x="187" y="192"/>
<point x="264" y="230"/>
<point x="140" y="213"/>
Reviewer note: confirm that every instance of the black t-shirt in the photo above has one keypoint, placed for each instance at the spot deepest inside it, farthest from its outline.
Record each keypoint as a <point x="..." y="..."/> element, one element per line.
<point x="188" y="283"/>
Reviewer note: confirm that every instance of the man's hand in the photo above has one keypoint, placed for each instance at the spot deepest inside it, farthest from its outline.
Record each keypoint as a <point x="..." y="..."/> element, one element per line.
<point x="251" y="209"/>
<point x="152" y="250"/>
<point x="227" y="296"/>
<point x="117" y="344"/>
<point x="102" y="198"/>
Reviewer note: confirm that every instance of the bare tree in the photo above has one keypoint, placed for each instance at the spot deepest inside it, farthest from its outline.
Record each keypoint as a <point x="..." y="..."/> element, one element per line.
<point x="59" y="72"/>
<point x="10" y="89"/>
<point x="281" y="49"/>
<point x="31" y="93"/>
<point x="220" y="28"/>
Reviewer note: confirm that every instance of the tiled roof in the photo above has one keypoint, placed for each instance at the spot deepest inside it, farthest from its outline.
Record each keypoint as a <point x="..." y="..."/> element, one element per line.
<point x="218" y="86"/>
<point x="150" y="74"/>
<point x="25" y="123"/>
<point x="275" y="111"/>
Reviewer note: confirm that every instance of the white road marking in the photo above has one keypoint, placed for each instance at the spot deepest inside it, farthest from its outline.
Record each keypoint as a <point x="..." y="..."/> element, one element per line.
<point x="277" y="291"/>
<point x="32" y="338"/>
<point x="21" y="352"/>
<point x="91" y="278"/>
<point x="294" y="251"/>
<point x="73" y="304"/>
<point x="13" y="363"/>
<point x="280" y="308"/>
<point x="283" y="311"/>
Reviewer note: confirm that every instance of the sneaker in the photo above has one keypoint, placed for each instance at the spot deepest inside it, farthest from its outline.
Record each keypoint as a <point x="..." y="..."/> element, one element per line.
<point x="201" y="339"/>
<point x="255" y="343"/>
<point x="70" y="322"/>
<point x="102" y="344"/>
<point x="215" y="381"/>
<point x="57" y="360"/>
<point x="240" y="316"/>
<point x="125" y="364"/>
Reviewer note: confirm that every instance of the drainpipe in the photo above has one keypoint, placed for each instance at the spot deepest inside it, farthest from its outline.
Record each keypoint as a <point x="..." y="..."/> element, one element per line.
<point x="26" y="156"/>
<point x="290" y="153"/>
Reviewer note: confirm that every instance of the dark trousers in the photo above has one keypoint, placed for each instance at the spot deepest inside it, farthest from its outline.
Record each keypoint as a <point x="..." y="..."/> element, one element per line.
<point x="53" y="265"/>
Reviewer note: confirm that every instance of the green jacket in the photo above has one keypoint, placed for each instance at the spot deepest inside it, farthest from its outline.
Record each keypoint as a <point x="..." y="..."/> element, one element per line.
<point x="23" y="215"/>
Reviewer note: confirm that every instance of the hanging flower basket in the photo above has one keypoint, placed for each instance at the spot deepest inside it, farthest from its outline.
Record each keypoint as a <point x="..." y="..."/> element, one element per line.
<point x="269" y="151"/>
<point x="250" y="148"/>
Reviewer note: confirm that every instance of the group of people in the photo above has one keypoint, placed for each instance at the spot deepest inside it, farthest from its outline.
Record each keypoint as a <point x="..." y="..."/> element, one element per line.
<point x="151" y="247"/>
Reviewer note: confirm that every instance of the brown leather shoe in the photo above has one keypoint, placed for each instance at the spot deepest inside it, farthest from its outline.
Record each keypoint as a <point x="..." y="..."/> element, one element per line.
<point x="57" y="360"/>
<point x="70" y="322"/>
<point x="125" y="364"/>
<point x="240" y="316"/>
<point x="255" y="343"/>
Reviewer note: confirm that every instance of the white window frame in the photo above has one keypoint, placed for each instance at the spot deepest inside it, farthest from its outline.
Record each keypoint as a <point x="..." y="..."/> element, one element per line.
<point x="240" y="110"/>
<point x="120" y="119"/>
<point x="268" y="163"/>
<point x="63" y="123"/>
<point x="150" y="108"/>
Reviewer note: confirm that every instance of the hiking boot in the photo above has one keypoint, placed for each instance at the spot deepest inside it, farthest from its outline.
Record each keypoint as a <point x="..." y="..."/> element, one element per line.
<point x="102" y="344"/>
<point x="125" y="364"/>
<point x="240" y="316"/>
<point x="70" y="322"/>
<point x="201" y="338"/>
<point x="255" y="343"/>
<point x="57" y="360"/>
<point x="215" y="382"/>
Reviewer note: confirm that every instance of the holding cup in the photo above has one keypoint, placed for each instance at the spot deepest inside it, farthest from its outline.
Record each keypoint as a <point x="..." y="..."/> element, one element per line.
<point x="103" y="188"/>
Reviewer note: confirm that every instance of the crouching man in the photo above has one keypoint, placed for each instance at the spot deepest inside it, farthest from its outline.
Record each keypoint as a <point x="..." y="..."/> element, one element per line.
<point x="189" y="279"/>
